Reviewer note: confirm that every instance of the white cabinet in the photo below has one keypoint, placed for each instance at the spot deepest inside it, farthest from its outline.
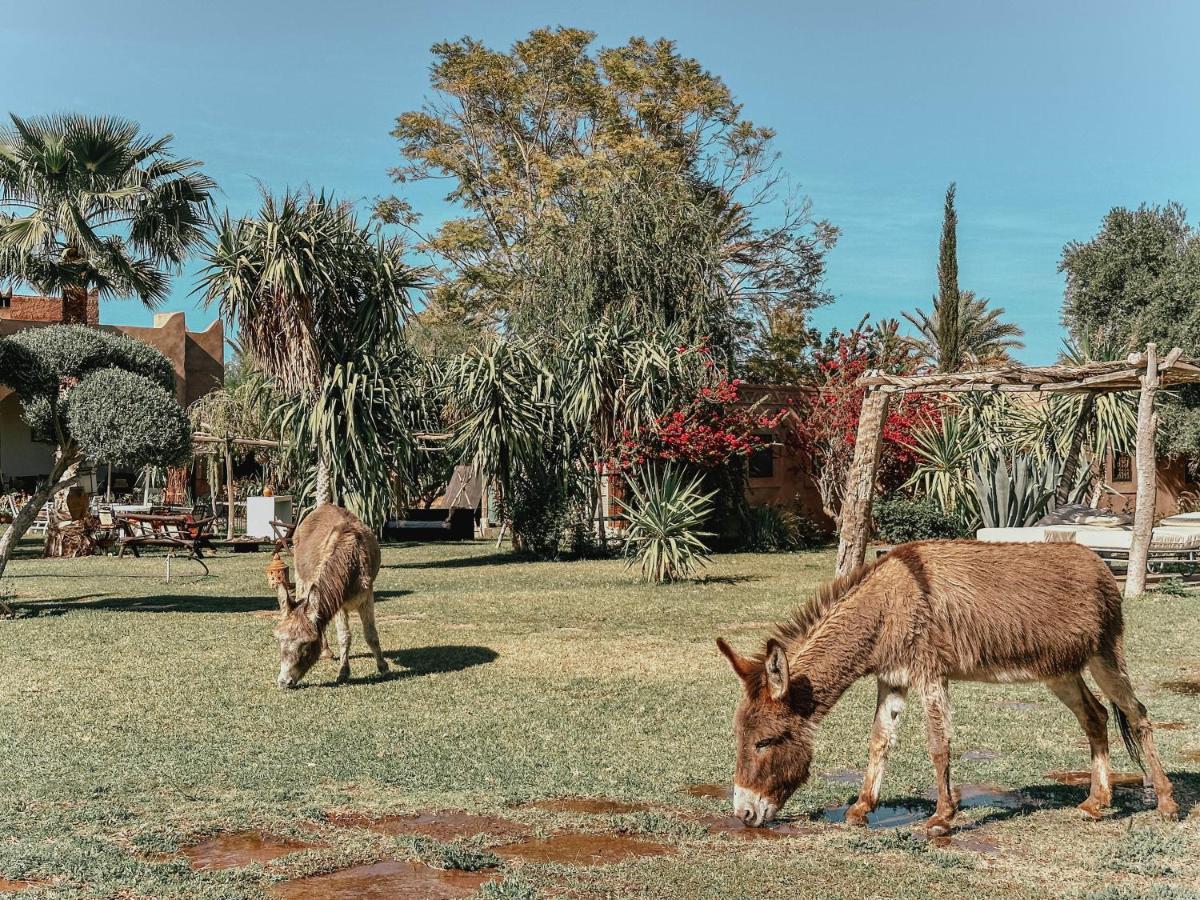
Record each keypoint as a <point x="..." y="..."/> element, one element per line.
<point x="261" y="511"/>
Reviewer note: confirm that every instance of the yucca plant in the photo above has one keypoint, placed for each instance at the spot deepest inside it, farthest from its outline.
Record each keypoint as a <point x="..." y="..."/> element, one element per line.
<point x="946" y="451"/>
<point x="665" y="521"/>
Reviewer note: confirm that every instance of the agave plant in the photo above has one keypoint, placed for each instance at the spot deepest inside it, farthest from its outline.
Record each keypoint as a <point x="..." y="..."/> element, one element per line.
<point x="665" y="522"/>
<point x="1013" y="490"/>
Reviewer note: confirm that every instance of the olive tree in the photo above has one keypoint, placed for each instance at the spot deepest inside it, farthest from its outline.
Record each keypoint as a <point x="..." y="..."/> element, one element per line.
<point x="96" y="395"/>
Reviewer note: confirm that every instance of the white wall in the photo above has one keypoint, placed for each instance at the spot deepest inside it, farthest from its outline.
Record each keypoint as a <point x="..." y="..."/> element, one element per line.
<point x="19" y="455"/>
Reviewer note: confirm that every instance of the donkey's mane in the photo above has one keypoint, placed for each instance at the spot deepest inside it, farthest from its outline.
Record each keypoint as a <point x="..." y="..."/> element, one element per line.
<point x="807" y="616"/>
<point x="327" y="590"/>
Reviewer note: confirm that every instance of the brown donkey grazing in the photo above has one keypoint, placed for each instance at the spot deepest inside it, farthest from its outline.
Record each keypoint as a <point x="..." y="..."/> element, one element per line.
<point x="337" y="560"/>
<point x="927" y="613"/>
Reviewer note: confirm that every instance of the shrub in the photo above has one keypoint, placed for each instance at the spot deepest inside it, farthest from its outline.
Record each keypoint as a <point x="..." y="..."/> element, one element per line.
<point x="665" y="519"/>
<point x="899" y="519"/>
<point x="769" y="529"/>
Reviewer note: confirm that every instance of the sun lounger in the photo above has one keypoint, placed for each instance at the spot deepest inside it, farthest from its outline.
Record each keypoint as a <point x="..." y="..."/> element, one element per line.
<point x="1168" y="544"/>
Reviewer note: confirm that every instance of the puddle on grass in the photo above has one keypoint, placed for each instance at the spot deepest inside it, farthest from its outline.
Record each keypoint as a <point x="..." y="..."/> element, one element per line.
<point x="578" y="849"/>
<point x="1170" y="726"/>
<point x="1187" y="687"/>
<point x="241" y="848"/>
<point x="1083" y="778"/>
<point x="973" y="795"/>
<point x="446" y="825"/>
<point x="389" y="879"/>
<point x="711" y="791"/>
<point x="735" y="827"/>
<point x="843" y="776"/>
<point x="980" y="756"/>
<point x="588" y="806"/>
<point x="883" y="817"/>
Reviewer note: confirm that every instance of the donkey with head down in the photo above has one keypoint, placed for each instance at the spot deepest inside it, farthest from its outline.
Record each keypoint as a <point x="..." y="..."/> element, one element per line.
<point x="337" y="561"/>
<point x="926" y="614"/>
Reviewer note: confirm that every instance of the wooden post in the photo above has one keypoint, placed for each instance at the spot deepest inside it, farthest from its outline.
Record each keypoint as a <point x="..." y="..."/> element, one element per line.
<point x="230" y="493"/>
<point x="860" y="483"/>
<point x="1143" y="513"/>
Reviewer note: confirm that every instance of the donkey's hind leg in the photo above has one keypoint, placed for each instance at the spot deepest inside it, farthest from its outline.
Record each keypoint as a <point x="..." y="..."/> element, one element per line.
<point x="366" y="613"/>
<point x="888" y="707"/>
<point x="1092" y="716"/>
<point x="343" y="633"/>
<point x="1136" y="729"/>
<point x="936" y="697"/>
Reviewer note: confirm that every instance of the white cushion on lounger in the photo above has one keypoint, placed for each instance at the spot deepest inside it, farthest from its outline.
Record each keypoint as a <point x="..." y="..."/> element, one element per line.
<point x="1078" y="514"/>
<point x="1185" y="520"/>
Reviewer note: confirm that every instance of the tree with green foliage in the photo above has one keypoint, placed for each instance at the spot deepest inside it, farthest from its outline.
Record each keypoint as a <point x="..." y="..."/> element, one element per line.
<point x="960" y="330"/>
<point x="97" y="396"/>
<point x="1135" y="282"/>
<point x="587" y="164"/>
<point x="89" y="204"/>
<point x="319" y="301"/>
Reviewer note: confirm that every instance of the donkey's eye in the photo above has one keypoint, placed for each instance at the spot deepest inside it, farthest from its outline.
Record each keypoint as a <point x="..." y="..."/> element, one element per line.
<point x="765" y="743"/>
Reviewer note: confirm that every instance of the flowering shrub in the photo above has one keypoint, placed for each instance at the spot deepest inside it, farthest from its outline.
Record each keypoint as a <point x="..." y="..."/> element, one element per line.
<point x="709" y="431"/>
<point x="827" y="429"/>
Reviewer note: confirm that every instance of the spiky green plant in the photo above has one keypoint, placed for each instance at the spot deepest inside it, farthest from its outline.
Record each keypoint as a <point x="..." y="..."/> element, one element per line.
<point x="1013" y="490"/>
<point x="666" y="518"/>
<point x="946" y="451"/>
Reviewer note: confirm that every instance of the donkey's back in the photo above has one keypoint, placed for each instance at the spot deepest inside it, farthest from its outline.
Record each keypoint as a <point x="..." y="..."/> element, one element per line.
<point x="337" y="557"/>
<point x="994" y="612"/>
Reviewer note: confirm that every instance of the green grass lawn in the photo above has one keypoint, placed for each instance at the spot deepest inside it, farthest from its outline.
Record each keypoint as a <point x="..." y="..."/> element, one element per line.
<point x="138" y="717"/>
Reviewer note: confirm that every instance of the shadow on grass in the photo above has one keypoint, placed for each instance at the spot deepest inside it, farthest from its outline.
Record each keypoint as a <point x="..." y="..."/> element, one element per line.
<point x="169" y="603"/>
<point x="462" y="562"/>
<point x="416" y="662"/>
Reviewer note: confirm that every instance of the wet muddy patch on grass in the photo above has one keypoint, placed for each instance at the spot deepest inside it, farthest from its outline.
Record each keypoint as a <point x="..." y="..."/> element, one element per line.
<point x="388" y="879"/>
<point x="580" y="849"/>
<point x="444" y="825"/>
<point x="709" y="791"/>
<point x="979" y="756"/>
<point x="886" y="816"/>
<point x="843" y="776"/>
<point x="595" y="806"/>
<point x="1170" y="726"/>
<point x="240" y="848"/>
<point x="12" y="885"/>
<point x="1083" y="778"/>
<point x="1189" y="687"/>
<point x="735" y="827"/>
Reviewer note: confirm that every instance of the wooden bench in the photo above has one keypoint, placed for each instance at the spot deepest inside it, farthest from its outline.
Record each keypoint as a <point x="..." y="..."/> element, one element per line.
<point x="175" y="532"/>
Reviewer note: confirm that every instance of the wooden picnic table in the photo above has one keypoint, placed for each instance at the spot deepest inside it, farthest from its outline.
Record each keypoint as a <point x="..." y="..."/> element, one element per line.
<point x="182" y="531"/>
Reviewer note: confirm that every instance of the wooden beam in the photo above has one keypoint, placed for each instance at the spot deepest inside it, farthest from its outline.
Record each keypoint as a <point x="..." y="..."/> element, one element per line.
<point x="860" y="483"/>
<point x="1143" y="512"/>
<point x="230" y="493"/>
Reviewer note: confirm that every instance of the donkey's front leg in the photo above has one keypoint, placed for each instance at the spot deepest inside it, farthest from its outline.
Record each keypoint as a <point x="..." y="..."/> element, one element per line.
<point x="936" y="697"/>
<point x="366" y="613"/>
<point x="888" y="707"/>
<point x="343" y="632"/>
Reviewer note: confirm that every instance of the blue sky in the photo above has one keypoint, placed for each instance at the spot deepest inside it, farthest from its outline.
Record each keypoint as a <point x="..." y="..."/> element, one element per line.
<point x="1045" y="113"/>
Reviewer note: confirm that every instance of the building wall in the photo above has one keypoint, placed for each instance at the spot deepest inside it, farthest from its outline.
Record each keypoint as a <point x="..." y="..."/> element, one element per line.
<point x="1173" y="484"/>
<point x="20" y="455"/>
<point x="26" y="308"/>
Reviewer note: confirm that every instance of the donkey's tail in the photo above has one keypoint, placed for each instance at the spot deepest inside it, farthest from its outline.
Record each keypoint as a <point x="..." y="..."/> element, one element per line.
<point x="1132" y="745"/>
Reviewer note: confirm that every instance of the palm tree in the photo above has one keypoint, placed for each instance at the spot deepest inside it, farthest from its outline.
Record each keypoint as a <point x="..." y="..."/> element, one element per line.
<point x="318" y="301"/>
<point x="979" y="336"/>
<point x="89" y="204"/>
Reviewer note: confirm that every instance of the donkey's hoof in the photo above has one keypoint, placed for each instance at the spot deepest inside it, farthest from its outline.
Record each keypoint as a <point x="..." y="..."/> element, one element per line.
<point x="1168" y="809"/>
<point x="1092" y="808"/>
<point x="937" y="826"/>
<point x="343" y="676"/>
<point x="857" y="814"/>
<point x="383" y="668"/>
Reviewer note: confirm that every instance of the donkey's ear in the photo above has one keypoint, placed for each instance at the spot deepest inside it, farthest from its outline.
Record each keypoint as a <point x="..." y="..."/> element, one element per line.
<point x="741" y="665"/>
<point x="778" y="675"/>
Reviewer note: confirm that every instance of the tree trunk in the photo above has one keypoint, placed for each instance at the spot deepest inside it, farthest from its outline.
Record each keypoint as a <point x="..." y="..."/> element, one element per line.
<point x="62" y="476"/>
<point x="1066" y="480"/>
<point x="230" y="493"/>
<point x="1143" y="512"/>
<point x="75" y="306"/>
<point x="860" y="483"/>
<point x="601" y="506"/>
<point x="324" y="487"/>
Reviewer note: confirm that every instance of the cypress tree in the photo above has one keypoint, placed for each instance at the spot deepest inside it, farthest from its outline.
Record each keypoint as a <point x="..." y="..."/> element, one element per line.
<point x="947" y="303"/>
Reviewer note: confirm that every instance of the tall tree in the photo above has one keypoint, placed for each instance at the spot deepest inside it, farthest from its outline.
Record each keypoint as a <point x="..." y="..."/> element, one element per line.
<point x="536" y="137"/>
<point x="1137" y="281"/>
<point x="318" y="300"/>
<point x="946" y="305"/>
<point x="91" y="205"/>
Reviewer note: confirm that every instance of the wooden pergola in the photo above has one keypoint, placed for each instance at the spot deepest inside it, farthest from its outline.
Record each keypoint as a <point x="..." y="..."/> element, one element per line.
<point x="1143" y="372"/>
